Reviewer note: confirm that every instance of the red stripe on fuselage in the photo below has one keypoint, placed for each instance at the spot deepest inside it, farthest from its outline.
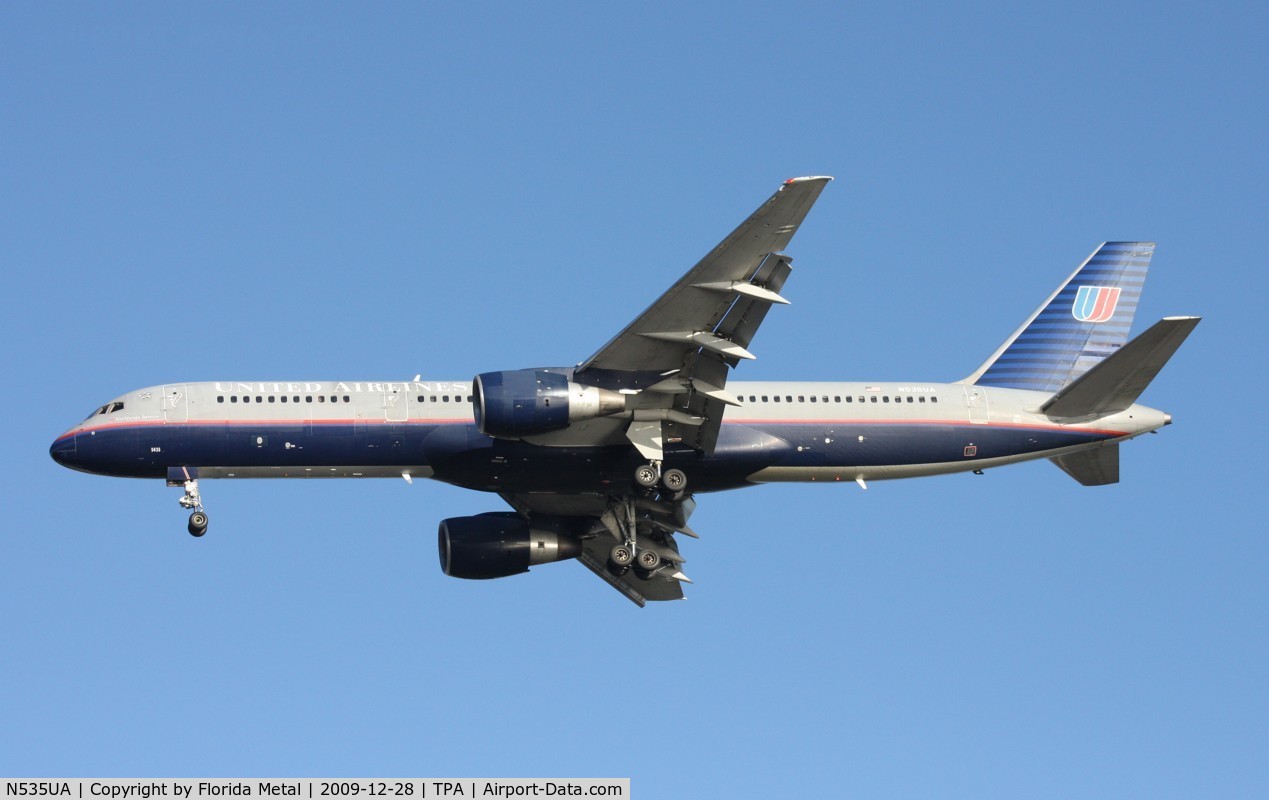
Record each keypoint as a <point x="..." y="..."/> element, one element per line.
<point x="751" y="422"/>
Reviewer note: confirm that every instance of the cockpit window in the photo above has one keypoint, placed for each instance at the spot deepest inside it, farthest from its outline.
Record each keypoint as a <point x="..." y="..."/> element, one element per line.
<point x="108" y="408"/>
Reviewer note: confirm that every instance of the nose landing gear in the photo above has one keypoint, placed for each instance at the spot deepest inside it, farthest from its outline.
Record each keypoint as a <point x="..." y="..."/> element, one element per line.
<point x="194" y="501"/>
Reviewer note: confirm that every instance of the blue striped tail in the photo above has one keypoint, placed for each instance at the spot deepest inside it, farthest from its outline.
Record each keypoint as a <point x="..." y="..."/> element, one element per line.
<point x="1083" y="322"/>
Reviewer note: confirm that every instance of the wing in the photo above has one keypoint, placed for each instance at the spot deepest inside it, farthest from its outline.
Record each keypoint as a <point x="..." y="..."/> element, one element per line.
<point x="672" y="362"/>
<point x="676" y="354"/>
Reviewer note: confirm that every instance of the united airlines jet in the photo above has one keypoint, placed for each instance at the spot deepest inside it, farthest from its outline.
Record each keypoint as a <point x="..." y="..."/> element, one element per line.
<point x="602" y="462"/>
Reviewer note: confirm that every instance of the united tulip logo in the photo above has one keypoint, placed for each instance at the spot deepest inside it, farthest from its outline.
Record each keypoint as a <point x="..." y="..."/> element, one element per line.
<point x="1095" y="303"/>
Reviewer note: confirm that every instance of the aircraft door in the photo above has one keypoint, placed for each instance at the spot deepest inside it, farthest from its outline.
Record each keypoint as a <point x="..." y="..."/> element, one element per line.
<point x="396" y="403"/>
<point x="175" y="403"/>
<point x="976" y="403"/>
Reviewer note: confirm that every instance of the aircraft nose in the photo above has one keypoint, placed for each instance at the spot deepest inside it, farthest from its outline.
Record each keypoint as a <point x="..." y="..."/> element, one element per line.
<point x="63" y="450"/>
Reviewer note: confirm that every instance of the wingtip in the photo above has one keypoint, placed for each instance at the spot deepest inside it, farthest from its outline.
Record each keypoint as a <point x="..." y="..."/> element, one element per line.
<point x="808" y="178"/>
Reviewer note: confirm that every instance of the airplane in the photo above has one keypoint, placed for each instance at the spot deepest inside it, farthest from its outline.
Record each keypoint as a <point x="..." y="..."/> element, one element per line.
<point x="602" y="462"/>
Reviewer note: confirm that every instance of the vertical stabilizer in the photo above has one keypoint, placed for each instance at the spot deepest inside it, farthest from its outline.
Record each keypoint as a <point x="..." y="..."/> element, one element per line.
<point x="1083" y="322"/>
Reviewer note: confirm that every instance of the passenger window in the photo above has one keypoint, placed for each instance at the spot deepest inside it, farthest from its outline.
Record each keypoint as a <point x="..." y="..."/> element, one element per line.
<point x="921" y="398"/>
<point x="885" y="399"/>
<point x="270" y="398"/>
<point x="788" y="398"/>
<point x="849" y="399"/>
<point x="801" y="398"/>
<point x="776" y="398"/>
<point x="910" y="400"/>
<point x="445" y="398"/>
<point x="321" y="398"/>
<point x="825" y="398"/>
<point x="308" y="398"/>
<point x="469" y="398"/>
<point x="220" y="398"/>
<point x="233" y="399"/>
<point x="432" y="399"/>
<point x="334" y="398"/>
<point x="872" y="397"/>
<point x="347" y="399"/>
<point x="764" y="398"/>
<point x="259" y="399"/>
<point x="934" y="399"/>
<point x="813" y="398"/>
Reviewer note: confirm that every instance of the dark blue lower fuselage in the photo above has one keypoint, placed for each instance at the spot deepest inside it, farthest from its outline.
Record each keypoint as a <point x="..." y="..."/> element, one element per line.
<point x="457" y="453"/>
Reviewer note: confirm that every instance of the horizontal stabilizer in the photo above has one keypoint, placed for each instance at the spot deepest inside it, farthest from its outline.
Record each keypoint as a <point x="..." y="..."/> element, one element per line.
<point x="1116" y="382"/>
<point x="1097" y="467"/>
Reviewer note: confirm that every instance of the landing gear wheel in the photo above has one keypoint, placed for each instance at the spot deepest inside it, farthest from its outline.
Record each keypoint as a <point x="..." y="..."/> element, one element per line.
<point x="197" y="523"/>
<point x="674" y="479"/>
<point x="621" y="556"/>
<point x="646" y="476"/>
<point x="649" y="560"/>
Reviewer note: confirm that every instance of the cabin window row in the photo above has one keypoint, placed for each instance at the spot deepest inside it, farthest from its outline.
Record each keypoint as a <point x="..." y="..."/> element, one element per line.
<point x="788" y="398"/>
<point x="321" y="398"/>
<point x="298" y="399"/>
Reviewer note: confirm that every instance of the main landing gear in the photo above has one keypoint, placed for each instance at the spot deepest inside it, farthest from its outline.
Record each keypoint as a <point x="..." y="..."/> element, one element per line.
<point x="621" y="519"/>
<point x="643" y="523"/>
<point x="649" y="475"/>
<point x="192" y="500"/>
<point x="627" y="553"/>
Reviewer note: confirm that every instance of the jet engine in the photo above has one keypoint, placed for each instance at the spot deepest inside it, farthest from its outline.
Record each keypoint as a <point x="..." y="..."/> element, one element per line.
<point x="499" y="544"/>
<point x="524" y="402"/>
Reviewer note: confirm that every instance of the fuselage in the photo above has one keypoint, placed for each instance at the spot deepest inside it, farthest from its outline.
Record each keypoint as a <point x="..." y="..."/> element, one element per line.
<point x="782" y="431"/>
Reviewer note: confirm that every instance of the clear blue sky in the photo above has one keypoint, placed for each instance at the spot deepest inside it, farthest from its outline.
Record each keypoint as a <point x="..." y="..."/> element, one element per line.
<point x="318" y="191"/>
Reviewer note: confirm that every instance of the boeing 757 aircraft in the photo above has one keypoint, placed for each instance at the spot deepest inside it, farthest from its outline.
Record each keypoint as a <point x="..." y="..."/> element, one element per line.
<point x="602" y="461"/>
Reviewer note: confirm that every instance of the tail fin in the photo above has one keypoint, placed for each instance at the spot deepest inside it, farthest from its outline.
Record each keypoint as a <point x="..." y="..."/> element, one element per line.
<point x="1083" y="322"/>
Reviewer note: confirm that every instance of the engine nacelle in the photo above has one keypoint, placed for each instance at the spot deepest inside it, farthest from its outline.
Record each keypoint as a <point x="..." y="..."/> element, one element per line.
<point x="499" y="544"/>
<point x="524" y="402"/>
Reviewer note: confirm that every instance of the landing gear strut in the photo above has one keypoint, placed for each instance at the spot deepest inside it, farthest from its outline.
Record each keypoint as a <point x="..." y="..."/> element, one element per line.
<point x="194" y="501"/>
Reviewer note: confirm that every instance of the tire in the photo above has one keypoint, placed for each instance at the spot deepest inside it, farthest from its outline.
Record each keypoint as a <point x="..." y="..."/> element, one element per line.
<point x="674" y="479"/>
<point x="649" y="560"/>
<point x="621" y="556"/>
<point x="197" y="524"/>
<point x="646" y="476"/>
